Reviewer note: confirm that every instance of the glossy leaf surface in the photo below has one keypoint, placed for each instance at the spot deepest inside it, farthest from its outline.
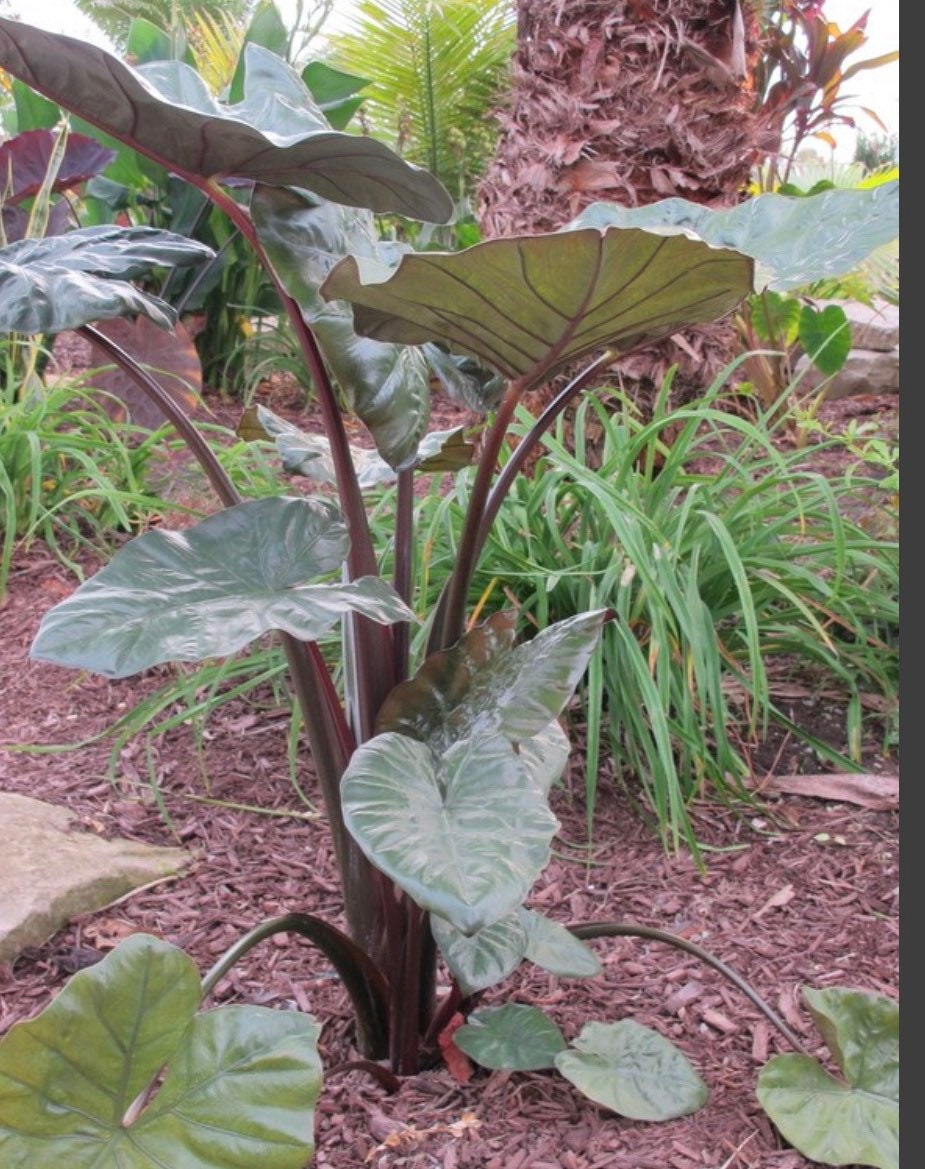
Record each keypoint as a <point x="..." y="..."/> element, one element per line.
<point x="482" y="684"/>
<point x="632" y="1070"/>
<point x="487" y="957"/>
<point x="276" y="134"/>
<point x="240" y="1085"/>
<point x="793" y="241"/>
<point x="386" y="385"/>
<point x="63" y="282"/>
<point x="465" y="833"/>
<point x="515" y="1037"/>
<point x="209" y="590"/>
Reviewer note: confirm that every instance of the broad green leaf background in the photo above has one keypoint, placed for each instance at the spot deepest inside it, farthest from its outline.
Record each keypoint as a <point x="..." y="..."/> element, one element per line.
<point x="213" y="588"/>
<point x="794" y="241"/>
<point x="239" y="1091"/>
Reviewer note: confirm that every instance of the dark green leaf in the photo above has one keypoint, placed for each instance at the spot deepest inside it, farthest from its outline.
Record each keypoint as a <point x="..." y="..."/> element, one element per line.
<point x="275" y="135"/>
<point x="632" y="1070"/>
<point x="775" y="318"/>
<point x="334" y="91"/>
<point x="146" y="42"/>
<point x="239" y="1090"/>
<point x="33" y="112"/>
<point x="465" y="834"/>
<point x="48" y="285"/>
<point x="213" y="588"/>
<point x="515" y="1037"/>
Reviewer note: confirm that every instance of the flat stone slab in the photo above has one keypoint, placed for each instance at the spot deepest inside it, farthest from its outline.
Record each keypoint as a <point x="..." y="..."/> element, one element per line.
<point x="51" y="872"/>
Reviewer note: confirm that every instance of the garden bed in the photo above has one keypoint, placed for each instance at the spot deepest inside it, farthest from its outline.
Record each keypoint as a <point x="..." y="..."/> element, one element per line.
<point x="801" y="891"/>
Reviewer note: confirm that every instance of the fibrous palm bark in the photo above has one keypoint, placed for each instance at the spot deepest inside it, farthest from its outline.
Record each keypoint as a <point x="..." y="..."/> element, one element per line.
<point x="628" y="101"/>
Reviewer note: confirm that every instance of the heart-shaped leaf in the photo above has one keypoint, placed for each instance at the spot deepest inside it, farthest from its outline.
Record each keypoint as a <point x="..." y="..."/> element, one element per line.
<point x="793" y="241"/>
<point x="465" y="834"/>
<point x="825" y="335"/>
<point x="832" y="1121"/>
<point x="48" y="285"/>
<point x="481" y="684"/>
<point x="515" y="1037"/>
<point x="826" y="1119"/>
<point x="209" y="590"/>
<point x="484" y="959"/>
<point x="632" y="1070"/>
<point x="276" y="135"/>
<point x="556" y="949"/>
<point x="239" y="1090"/>
<point x="775" y="318"/>
<point x="533" y="305"/>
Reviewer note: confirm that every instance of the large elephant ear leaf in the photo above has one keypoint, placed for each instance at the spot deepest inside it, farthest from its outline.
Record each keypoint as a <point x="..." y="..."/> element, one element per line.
<point x="632" y="1070"/>
<point x="276" y="135"/>
<point x="794" y="241"/>
<point x="65" y="281"/>
<point x="854" y="1121"/>
<point x="530" y="306"/>
<point x="213" y="588"/>
<point x="465" y="833"/>
<point x="239" y="1090"/>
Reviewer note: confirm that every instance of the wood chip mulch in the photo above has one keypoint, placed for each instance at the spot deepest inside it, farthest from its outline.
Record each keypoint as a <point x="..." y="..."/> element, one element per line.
<point x="798" y="892"/>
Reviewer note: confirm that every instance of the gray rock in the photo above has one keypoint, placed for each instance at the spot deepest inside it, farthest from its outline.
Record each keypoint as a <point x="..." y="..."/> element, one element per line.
<point x="50" y="872"/>
<point x="866" y="371"/>
<point x="872" y="326"/>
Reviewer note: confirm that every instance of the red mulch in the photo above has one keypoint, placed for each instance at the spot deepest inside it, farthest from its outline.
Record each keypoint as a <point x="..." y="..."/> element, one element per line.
<point x="799" y="892"/>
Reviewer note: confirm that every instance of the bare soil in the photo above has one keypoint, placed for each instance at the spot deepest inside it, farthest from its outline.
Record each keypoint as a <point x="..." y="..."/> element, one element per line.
<point x="798" y="891"/>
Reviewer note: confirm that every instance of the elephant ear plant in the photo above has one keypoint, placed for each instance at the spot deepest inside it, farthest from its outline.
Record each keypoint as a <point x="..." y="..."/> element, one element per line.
<point x="436" y="774"/>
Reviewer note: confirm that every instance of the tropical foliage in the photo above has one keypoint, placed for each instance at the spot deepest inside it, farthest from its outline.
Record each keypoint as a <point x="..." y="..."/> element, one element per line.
<point x="437" y="69"/>
<point x="435" y="771"/>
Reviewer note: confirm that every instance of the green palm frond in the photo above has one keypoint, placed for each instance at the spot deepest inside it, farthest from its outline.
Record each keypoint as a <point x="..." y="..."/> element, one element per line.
<point x="438" y="67"/>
